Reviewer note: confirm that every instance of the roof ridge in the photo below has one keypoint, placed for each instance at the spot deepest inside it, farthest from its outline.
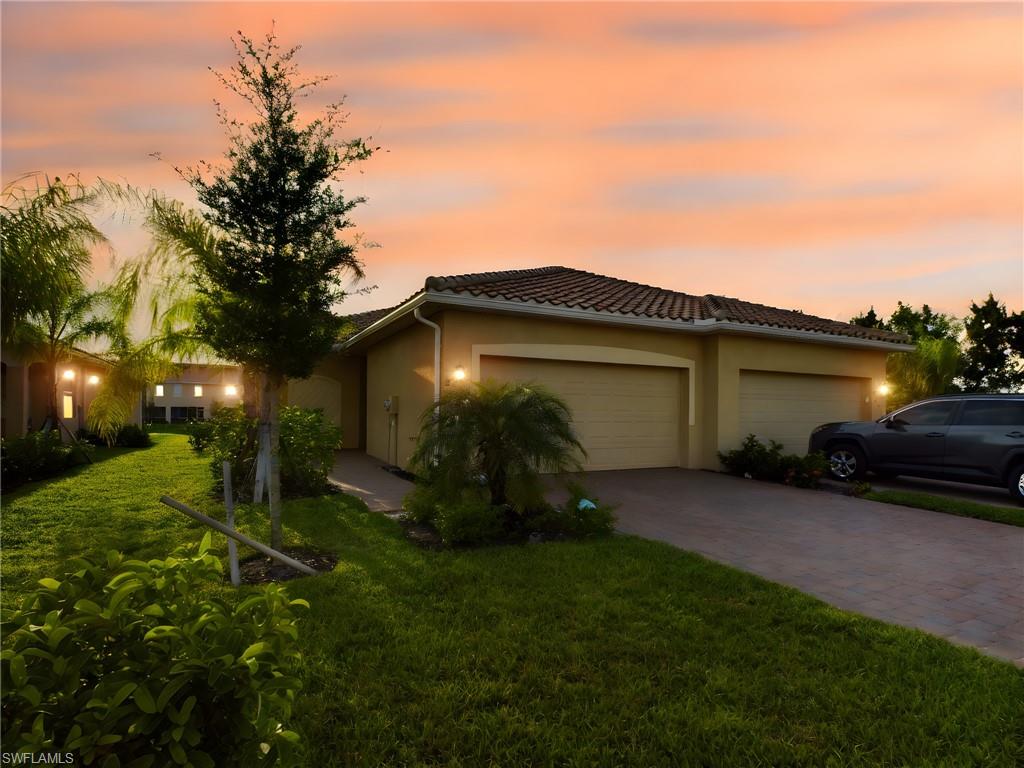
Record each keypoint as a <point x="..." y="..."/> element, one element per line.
<point x="445" y="282"/>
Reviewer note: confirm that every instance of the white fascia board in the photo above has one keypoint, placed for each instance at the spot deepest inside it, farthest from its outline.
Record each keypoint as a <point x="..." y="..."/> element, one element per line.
<point x="537" y="309"/>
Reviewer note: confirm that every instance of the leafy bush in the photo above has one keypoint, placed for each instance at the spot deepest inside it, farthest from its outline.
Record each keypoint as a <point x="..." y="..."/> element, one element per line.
<point x="200" y="434"/>
<point x="307" y="445"/>
<point x="38" y="455"/>
<point x="422" y="504"/>
<point x="582" y="516"/>
<point x="803" y="471"/>
<point x="132" y="436"/>
<point x="767" y="462"/>
<point x="134" y="663"/>
<point x="471" y="520"/>
<point x="753" y="459"/>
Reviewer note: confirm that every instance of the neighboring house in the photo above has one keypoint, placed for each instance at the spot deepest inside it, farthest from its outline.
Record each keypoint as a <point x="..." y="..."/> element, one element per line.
<point x="23" y="391"/>
<point x="653" y="377"/>
<point x="194" y="393"/>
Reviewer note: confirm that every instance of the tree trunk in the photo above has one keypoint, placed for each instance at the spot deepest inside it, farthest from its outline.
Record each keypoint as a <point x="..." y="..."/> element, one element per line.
<point x="270" y="404"/>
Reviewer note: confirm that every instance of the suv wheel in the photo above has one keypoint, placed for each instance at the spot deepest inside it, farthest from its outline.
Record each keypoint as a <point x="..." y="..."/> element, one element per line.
<point x="1016" y="484"/>
<point x="846" y="462"/>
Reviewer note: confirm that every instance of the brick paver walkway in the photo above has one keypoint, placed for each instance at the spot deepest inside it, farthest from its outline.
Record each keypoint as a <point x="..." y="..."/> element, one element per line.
<point x="959" y="578"/>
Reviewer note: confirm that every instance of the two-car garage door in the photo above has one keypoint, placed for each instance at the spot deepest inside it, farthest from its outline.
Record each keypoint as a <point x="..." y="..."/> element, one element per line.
<point x="785" y="407"/>
<point x="627" y="416"/>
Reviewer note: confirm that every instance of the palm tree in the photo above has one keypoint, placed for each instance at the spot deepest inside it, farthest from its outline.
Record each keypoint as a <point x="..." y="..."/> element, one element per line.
<point x="929" y="370"/>
<point x="504" y="434"/>
<point x="46" y="242"/>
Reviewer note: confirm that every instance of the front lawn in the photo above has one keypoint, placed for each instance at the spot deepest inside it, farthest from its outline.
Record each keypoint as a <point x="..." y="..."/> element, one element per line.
<point x="613" y="652"/>
<point x="950" y="506"/>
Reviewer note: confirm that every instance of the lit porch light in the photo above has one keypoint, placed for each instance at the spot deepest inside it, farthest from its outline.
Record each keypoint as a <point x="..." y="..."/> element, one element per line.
<point x="884" y="389"/>
<point x="459" y="374"/>
<point x="94" y="379"/>
<point x="69" y="374"/>
<point x="231" y="390"/>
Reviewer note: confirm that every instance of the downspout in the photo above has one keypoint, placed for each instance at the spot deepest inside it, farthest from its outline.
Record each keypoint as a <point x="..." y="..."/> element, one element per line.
<point x="437" y="356"/>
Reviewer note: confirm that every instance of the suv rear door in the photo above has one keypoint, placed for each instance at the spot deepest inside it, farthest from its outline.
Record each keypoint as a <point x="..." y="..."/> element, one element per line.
<point x="983" y="436"/>
<point x="913" y="439"/>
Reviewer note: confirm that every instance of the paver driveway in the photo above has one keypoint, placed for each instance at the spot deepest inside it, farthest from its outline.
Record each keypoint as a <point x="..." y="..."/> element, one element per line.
<point x="956" y="577"/>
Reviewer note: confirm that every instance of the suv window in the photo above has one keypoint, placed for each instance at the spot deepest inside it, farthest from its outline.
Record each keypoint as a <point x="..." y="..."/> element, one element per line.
<point x="993" y="413"/>
<point x="929" y="414"/>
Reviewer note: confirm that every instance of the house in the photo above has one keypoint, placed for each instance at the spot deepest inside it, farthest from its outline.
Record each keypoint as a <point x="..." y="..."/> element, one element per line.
<point x="194" y="393"/>
<point x="24" y="390"/>
<point x="654" y="377"/>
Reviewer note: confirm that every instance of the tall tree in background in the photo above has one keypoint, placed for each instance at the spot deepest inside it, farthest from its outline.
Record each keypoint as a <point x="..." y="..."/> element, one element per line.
<point x="267" y="281"/>
<point x="994" y="356"/>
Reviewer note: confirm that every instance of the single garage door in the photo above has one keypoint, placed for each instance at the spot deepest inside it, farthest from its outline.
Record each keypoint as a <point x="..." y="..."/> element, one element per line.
<point x="627" y="416"/>
<point x="785" y="407"/>
<point x="317" y="392"/>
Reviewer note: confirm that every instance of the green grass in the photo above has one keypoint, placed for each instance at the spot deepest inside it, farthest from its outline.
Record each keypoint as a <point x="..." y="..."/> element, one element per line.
<point x="961" y="507"/>
<point x="613" y="652"/>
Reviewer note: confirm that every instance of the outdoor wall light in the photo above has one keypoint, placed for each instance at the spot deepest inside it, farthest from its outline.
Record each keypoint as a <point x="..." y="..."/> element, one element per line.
<point x="883" y="389"/>
<point x="231" y="390"/>
<point x="459" y="374"/>
<point x="94" y="379"/>
<point x="69" y="374"/>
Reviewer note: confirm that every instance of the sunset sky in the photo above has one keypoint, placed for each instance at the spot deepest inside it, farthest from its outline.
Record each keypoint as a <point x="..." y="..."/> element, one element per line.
<point x="816" y="156"/>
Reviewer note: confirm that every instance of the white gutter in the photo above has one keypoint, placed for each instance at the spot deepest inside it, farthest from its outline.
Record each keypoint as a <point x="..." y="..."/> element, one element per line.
<point x="437" y="353"/>
<point x="573" y="313"/>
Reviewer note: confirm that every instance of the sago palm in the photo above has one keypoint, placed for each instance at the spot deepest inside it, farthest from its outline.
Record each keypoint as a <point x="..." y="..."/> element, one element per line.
<point x="500" y="434"/>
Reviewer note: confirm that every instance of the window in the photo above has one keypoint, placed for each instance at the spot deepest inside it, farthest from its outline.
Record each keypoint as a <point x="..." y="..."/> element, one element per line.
<point x="69" y="406"/>
<point x="197" y="390"/>
<point x="927" y="415"/>
<point x="159" y="390"/>
<point x="177" y="390"/>
<point x="180" y="414"/>
<point x="993" y="413"/>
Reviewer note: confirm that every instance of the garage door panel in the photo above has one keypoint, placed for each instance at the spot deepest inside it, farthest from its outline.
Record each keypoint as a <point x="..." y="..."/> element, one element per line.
<point x="785" y="407"/>
<point x="626" y="416"/>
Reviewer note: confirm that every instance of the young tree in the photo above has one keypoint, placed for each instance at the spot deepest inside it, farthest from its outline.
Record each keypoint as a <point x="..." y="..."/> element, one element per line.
<point x="266" y="284"/>
<point x="995" y="348"/>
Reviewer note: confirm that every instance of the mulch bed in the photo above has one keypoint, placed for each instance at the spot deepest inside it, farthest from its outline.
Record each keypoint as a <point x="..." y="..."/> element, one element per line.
<point x="260" y="569"/>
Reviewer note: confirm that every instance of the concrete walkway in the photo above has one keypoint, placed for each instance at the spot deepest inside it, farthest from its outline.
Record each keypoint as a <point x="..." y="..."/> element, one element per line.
<point x="365" y="477"/>
<point x="959" y="578"/>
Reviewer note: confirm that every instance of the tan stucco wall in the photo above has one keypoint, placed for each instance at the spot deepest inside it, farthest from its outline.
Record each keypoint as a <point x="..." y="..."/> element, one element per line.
<point x="348" y="372"/>
<point x="402" y="365"/>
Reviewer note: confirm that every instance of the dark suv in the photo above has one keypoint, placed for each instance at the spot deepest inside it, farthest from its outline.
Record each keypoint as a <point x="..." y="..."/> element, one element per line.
<point x="967" y="438"/>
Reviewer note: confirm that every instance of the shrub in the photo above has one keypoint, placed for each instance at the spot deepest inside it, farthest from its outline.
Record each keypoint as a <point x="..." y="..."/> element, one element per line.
<point x="582" y="516"/>
<point x="767" y="462"/>
<point x="132" y="436"/>
<point x="753" y="459"/>
<point x="802" y="471"/>
<point x="38" y="455"/>
<point x="308" y="443"/>
<point x="587" y="515"/>
<point x="421" y="504"/>
<point x="200" y="434"/>
<point x="471" y="520"/>
<point x="134" y="663"/>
